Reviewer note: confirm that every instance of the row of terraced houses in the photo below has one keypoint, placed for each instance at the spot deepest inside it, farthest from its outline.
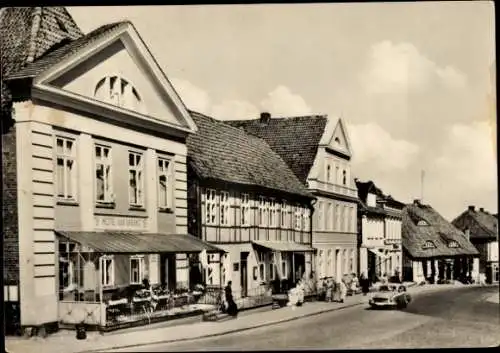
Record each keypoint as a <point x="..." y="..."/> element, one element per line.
<point x="108" y="179"/>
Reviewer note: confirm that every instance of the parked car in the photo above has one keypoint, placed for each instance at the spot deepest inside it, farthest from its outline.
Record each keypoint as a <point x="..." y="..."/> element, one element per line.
<point x="390" y="296"/>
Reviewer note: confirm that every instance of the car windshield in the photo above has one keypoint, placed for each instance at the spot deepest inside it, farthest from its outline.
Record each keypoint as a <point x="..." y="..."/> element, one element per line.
<point x="385" y="289"/>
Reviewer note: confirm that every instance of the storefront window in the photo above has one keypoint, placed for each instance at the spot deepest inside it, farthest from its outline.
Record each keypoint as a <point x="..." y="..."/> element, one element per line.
<point x="107" y="271"/>
<point x="136" y="269"/>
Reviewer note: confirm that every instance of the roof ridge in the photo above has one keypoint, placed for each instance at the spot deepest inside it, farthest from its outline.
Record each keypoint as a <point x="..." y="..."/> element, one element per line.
<point x="482" y="226"/>
<point x="284" y="117"/>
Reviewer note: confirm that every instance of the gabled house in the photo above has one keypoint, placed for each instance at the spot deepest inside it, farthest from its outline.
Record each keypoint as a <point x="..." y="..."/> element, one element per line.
<point x="379" y="231"/>
<point x="317" y="149"/>
<point x="94" y="169"/>
<point x="243" y="198"/>
<point x="434" y="249"/>
<point x="481" y="228"/>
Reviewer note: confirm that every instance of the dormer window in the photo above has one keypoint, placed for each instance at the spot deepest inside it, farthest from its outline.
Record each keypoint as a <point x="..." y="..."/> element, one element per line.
<point x="453" y="244"/>
<point x="118" y="91"/>
<point x="428" y="245"/>
<point x="422" y="223"/>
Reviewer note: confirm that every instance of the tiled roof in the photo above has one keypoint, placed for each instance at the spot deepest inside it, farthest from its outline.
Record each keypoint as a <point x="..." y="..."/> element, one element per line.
<point x="369" y="187"/>
<point x="27" y="33"/>
<point x="481" y="224"/>
<point x="57" y="55"/>
<point x="438" y="230"/>
<point x="295" y="139"/>
<point x="222" y="152"/>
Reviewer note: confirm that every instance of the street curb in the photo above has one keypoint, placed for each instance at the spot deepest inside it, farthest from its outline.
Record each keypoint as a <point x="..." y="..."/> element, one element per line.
<point x="223" y="333"/>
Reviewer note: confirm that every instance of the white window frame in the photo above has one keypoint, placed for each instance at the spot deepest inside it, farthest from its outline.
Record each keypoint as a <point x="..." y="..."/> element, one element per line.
<point x="261" y="261"/>
<point x="272" y="269"/>
<point x="262" y="211"/>
<point x="164" y="168"/>
<point x="245" y="210"/>
<point x="110" y="280"/>
<point x="328" y="172"/>
<point x="298" y="218"/>
<point x="273" y="213"/>
<point x="305" y="219"/>
<point x="120" y="92"/>
<point x="211" y="207"/>
<point x="330" y="219"/>
<point x="284" y="264"/>
<point x="140" y="274"/>
<point x="107" y="173"/>
<point x="72" y="179"/>
<point x="283" y="214"/>
<point x="225" y="208"/>
<point x="138" y="168"/>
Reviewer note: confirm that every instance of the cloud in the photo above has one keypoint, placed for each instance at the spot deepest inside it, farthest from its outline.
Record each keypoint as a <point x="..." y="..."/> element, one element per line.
<point x="194" y="97"/>
<point x="467" y="156"/>
<point x="393" y="68"/>
<point x="234" y="109"/>
<point x="375" y="149"/>
<point x="282" y="102"/>
<point x="279" y="102"/>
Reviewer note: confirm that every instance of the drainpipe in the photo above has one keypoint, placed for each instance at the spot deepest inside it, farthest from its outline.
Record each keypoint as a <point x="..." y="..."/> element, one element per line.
<point x="313" y="254"/>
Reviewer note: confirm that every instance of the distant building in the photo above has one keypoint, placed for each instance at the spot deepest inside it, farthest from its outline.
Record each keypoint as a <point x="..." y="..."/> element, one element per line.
<point x="434" y="249"/>
<point x="379" y="230"/>
<point x="318" y="151"/>
<point x="243" y="197"/>
<point x="481" y="227"/>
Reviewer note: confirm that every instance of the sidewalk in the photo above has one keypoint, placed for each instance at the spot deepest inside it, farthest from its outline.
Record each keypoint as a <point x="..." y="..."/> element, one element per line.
<point x="65" y="341"/>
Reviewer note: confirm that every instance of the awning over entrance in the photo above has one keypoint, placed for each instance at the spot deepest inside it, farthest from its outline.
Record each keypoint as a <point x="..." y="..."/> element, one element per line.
<point x="283" y="246"/>
<point x="138" y="243"/>
<point x="380" y="252"/>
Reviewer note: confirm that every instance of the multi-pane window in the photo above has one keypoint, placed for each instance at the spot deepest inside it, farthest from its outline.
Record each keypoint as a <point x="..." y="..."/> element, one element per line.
<point x="262" y="211"/>
<point x="107" y="271"/>
<point x="103" y="174"/>
<point x="224" y="208"/>
<point x="284" y="215"/>
<point x="284" y="264"/>
<point x="262" y="265"/>
<point x="118" y="91"/>
<point x="273" y="213"/>
<point x="330" y="216"/>
<point x="298" y="218"/>
<point x="245" y="210"/>
<point x="165" y="183"/>
<point x="136" y="269"/>
<point x="305" y="216"/>
<point x="211" y="207"/>
<point x="66" y="168"/>
<point x="272" y="270"/>
<point x="136" y="179"/>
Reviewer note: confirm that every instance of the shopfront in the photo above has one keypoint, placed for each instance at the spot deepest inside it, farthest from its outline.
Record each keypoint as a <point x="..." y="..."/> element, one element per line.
<point x="113" y="278"/>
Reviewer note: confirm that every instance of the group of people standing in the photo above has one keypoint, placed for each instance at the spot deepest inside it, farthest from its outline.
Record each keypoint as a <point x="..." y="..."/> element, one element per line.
<point x="337" y="290"/>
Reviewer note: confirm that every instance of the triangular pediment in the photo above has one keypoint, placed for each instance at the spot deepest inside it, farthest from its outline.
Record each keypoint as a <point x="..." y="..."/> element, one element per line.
<point x="340" y="140"/>
<point x="119" y="72"/>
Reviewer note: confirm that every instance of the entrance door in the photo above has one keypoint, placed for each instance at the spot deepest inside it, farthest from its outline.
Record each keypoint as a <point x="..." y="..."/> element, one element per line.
<point x="300" y="265"/>
<point x="167" y="271"/>
<point x="244" y="274"/>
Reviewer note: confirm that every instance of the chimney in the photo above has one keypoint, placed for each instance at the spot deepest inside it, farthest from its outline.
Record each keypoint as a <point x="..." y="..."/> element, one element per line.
<point x="481" y="209"/>
<point x="472" y="208"/>
<point x="265" y="117"/>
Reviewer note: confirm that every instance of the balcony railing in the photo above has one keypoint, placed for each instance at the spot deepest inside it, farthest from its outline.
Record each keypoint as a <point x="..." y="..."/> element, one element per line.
<point x="336" y="188"/>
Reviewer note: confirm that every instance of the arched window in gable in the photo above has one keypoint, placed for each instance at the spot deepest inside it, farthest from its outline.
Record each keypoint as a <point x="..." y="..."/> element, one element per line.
<point x="118" y="91"/>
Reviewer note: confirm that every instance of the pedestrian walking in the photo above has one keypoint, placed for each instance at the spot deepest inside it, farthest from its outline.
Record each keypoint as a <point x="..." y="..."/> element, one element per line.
<point x="354" y="283"/>
<point x="329" y="290"/>
<point x="232" y="309"/>
<point x="342" y="290"/>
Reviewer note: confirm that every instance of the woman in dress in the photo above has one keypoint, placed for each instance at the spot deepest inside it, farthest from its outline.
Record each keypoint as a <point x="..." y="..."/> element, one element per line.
<point x="342" y="290"/>
<point x="232" y="309"/>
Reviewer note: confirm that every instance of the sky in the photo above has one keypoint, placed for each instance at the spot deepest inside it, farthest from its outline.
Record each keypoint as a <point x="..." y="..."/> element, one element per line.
<point x="414" y="82"/>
